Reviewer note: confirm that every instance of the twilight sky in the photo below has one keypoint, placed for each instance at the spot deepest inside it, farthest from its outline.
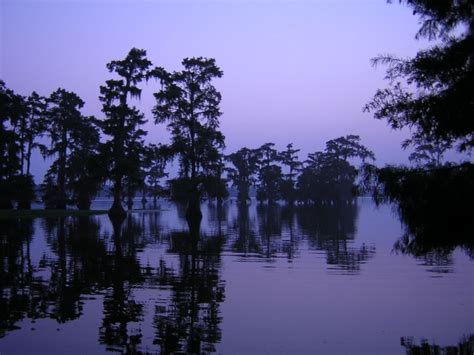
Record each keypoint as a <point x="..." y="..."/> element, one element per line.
<point x="294" y="70"/>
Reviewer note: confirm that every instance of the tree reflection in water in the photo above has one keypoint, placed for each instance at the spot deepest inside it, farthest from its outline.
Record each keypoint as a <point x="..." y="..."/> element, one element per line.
<point x="331" y="228"/>
<point x="190" y="323"/>
<point x="175" y="296"/>
<point x="16" y="274"/>
<point x="277" y="229"/>
<point x="121" y="311"/>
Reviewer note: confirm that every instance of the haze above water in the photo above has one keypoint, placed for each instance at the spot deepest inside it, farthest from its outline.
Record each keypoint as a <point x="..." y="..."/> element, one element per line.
<point x="322" y="279"/>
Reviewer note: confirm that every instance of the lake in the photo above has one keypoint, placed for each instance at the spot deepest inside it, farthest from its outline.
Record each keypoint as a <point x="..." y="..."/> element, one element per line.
<point x="326" y="279"/>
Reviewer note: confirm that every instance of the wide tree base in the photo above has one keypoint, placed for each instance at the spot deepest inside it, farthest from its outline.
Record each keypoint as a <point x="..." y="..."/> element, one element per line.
<point x="117" y="210"/>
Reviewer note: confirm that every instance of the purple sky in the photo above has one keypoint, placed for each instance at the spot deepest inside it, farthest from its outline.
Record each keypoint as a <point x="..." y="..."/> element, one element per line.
<point x="294" y="70"/>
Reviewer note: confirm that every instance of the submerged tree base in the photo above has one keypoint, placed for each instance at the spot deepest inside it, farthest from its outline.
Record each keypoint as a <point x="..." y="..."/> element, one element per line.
<point x="193" y="214"/>
<point x="117" y="209"/>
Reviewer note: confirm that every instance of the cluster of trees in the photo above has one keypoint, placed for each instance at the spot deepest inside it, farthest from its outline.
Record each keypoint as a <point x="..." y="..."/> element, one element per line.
<point x="87" y="152"/>
<point x="431" y="93"/>
<point x="324" y="176"/>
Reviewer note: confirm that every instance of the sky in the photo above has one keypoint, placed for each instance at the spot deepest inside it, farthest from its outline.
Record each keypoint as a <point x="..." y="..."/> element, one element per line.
<point x="294" y="70"/>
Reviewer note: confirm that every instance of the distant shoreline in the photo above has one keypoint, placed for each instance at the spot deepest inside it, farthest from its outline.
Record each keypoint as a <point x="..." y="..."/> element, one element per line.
<point x="37" y="213"/>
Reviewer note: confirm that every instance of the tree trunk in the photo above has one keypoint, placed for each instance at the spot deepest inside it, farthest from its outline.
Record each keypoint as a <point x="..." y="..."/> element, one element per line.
<point x="144" y="198"/>
<point x="28" y="158"/>
<point x="83" y="201"/>
<point x="61" y="200"/>
<point x="117" y="208"/>
<point x="24" y="204"/>
<point x="193" y="211"/>
<point x="130" y="202"/>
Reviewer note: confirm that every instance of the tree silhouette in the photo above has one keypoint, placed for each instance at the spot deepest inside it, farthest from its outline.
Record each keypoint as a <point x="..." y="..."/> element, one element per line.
<point x="245" y="162"/>
<point x="426" y="152"/>
<point x="328" y="176"/>
<point x="122" y="120"/>
<point x="189" y="104"/>
<point x="464" y="346"/>
<point x="433" y="92"/>
<point x="85" y="169"/>
<point x="348" y="147"/>
<point x="11" y="110"/>
<point x="269" y="173"/>
<point x="155" y="162"/>
<point x="289" y="158"/>
<point x="29" y="125"/>
<point x="63" y="121"/>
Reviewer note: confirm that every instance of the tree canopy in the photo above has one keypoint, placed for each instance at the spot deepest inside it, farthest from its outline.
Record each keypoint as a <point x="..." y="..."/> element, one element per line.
<point x="433" y="93"/>
<point x="123" y="121"/>
<point x="189" y="103"/>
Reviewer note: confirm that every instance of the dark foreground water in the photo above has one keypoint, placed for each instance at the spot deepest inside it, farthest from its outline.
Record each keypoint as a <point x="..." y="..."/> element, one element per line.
<point x="314" y="280"/>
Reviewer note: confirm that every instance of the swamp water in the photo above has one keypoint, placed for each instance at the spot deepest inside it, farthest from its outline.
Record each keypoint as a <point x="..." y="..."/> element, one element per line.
<point x="252" y="280"/>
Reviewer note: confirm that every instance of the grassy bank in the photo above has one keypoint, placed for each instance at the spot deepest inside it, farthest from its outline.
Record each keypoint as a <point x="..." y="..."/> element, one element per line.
<point x="47" y="213"/>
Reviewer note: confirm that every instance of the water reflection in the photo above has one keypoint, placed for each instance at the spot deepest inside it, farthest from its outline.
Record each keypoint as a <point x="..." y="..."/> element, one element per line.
<point x="276" y="230"/>
<point x="331" y="228"/>
<point x="434" y="229"/>
<point x="16" y="274"/>
<point x="159" y="283"/>
<point x="120" y="329"/>
<point x="190" y="321"/>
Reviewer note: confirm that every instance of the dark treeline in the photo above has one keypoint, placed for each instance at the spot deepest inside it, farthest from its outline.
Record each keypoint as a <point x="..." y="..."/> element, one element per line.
<point x="326" y="176"/>
<point x="88" y="152"/>
<point x="464" y="346"/>
<point x="433" y="95"/>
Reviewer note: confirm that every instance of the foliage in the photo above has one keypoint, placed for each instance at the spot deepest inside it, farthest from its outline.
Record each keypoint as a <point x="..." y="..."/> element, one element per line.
<point x="269" y="173"/>
<point x="326" y="178"/>
<point x="289" y="158"/>
<point x="427" y="153"/>
<point x="348" y="147"/>
<point x="189" y="104"/>
<point x="10" y="110"/>
<point x="433" y="92"/>
<point x="122" y="123"/>
<point x="156" y="157"/>
<point x="85" y="169"/>
<point x="328" y="175"/>
<point x="243" y="172"/>
<point x="24" y="190"/>
<point x="49" y="189"/>
<point x="64" y="121"/>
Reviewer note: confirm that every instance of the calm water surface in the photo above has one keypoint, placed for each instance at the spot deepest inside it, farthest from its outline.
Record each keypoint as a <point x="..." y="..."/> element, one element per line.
<point x="313" y="280"/>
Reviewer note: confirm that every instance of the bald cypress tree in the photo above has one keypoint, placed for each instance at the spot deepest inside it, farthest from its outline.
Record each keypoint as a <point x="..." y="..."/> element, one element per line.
<point x="9" y="144"/>
<point x="189" y="104"/>
<point x="63" y="119"/>
<point x="123" y="121"/>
